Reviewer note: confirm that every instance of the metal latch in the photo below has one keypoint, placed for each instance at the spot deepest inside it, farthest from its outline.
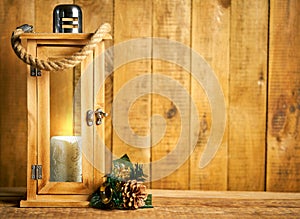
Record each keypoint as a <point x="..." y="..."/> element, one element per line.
<point x="99" y="114"/>
<point x="35" y="72"/>
<point x="36" y="172"/>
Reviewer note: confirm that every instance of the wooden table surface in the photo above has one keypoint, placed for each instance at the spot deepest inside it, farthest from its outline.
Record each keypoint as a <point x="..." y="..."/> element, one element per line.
<point x="171" y="204"/>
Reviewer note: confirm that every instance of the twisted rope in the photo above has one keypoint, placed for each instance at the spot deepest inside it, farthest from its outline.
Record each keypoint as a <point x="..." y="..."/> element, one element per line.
<point x="60" y="64"/>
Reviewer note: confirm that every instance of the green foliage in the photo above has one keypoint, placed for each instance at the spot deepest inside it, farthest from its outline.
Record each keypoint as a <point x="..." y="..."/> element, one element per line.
<point x="138" y="173"/>
<point x="125" y="170"/>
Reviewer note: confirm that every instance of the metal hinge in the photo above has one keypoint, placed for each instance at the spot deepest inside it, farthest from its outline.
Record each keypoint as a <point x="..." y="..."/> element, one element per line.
<point x="36" y="172"/>
<point x="35" y="72"/>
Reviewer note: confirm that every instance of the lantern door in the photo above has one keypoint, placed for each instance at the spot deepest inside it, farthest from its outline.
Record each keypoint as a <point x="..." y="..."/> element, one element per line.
<point x="65" y="142"/>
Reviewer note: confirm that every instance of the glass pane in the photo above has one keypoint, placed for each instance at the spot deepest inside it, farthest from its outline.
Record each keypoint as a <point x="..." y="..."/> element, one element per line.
<point x="65" y="127"/>
<point x="65" y="159"/>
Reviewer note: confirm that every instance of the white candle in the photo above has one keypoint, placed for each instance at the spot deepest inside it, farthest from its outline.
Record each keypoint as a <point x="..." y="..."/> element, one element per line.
<point x="65" y="159"/>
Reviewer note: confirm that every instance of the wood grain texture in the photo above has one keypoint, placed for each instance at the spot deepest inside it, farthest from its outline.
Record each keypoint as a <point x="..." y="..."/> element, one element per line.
<point x="173" y="204"/>
<point x="210" y="39"/>
<point x="247" y="95"/>
<point x="31" y="140"/>
<point x="43" y="124"/>
<point x="95" y="13"/>
<point x="44" y="14"/>
<point x="137" y="16"/>
<point x="283" y="163"/>
<point x="13" y="119"/>
<point x="100" y="160"/>
<point x="172" y="21"/>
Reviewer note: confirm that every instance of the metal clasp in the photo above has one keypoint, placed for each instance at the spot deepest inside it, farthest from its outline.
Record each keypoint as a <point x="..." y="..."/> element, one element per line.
<point x="99" y="116"/>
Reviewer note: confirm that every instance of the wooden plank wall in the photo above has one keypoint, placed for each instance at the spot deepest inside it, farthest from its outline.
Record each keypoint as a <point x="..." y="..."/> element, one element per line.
<point x="284" y="97"/>
<point x="253" y="48"/>
<point x="13" y="109"/>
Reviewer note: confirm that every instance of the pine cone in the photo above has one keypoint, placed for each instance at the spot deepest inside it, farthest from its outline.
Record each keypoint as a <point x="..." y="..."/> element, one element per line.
<point x="134" y="194"/>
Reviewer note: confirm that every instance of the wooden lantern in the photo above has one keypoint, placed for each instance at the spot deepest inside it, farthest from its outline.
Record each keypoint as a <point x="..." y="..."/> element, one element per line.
<point x="65" y="148"/>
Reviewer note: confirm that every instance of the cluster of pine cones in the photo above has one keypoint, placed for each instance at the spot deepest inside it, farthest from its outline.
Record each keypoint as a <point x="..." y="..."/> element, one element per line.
<point x="134" y="194"/>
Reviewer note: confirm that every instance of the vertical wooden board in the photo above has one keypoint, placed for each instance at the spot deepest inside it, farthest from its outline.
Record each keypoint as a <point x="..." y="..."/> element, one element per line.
<point x="171" y="20"/>
<point x="96" y="13"/>
<point x="247" y="92"/>
<point x="44" y="14"/>
<point x="99" y="103"/>
<point x="31" y="139"/>
<point x="108" y="91"/>
<point x="43" y="125"/>
<point x="283" y="164"/>
<point x="87" y="132"/>
<point x="13" y="110"/>
<point x="76" y="79"/>
<point x="210" y="39"/>
<point x="132" y="20"/>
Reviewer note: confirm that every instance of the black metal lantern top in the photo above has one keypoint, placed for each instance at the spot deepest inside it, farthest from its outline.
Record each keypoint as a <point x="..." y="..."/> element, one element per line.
<point x="67" y="19"/>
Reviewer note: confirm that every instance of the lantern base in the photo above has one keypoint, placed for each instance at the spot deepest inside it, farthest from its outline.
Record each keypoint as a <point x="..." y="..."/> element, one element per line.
<point x="53" y="204"/>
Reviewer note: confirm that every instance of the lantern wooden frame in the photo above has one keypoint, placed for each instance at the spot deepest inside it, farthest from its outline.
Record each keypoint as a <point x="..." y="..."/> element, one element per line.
<point x="42" y="192"/>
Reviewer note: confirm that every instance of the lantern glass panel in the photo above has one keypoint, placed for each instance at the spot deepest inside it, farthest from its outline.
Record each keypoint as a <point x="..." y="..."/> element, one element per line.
<point x="65" y="126"/>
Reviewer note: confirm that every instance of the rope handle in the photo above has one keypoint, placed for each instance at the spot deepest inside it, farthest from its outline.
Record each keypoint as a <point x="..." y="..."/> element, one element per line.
<point x="60" y="64"/>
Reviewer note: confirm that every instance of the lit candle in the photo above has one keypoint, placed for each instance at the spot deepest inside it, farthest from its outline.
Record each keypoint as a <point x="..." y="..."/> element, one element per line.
<point x="65" y="159"/>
